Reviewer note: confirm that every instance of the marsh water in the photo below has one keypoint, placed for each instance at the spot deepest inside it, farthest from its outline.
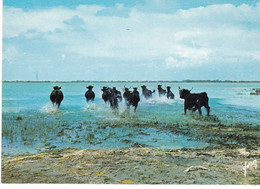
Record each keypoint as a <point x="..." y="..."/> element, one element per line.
<point x="31" y="124"/>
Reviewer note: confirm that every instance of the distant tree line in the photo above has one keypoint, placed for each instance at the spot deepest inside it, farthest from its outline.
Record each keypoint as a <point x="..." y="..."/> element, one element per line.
<point x="145" y="81"/>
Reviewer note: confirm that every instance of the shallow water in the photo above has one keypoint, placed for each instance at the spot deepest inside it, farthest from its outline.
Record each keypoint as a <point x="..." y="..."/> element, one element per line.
<point x="79" y="124"/>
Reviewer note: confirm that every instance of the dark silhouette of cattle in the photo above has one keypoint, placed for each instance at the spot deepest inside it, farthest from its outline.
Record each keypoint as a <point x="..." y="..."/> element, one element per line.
<point x="56" y="96"/>
<point x="161" y="91"/>
<point x="135" y="98"/>
<point x="194" y="101"/>
<point x="113" y="96"/>
<point x="118" y="94"/>
<point x="131" y="98"/>
<point x="105" y="94"/>
<point x="90" y="95"/>
<point x="146" y="92"/>
<point x="126" y="94"/>
<point x="169" y="94"/>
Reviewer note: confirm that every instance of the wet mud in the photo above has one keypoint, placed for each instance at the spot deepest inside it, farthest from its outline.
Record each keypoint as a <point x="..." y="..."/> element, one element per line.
<point x="231" y="158"/>
<point x="134" y="166"/>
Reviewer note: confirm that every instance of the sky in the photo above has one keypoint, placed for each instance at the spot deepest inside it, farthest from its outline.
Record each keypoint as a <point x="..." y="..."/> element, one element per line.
<point x="131" y="40"/>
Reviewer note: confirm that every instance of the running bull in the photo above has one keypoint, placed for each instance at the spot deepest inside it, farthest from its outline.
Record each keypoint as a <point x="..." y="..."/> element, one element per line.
<point x="194" y="101"/>
<point x="56" y="96"/>
<point x="131" y="98"/>
<point x="161" y="91"/>
<point x="90" y="95"/>
<point x="146" y="92"/>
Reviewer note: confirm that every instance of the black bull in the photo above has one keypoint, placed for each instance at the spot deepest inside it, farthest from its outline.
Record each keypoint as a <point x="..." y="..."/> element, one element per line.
<point x="90" y="95"/>
<point x="56" y="96"/>
<point x="131" y="98"/>
<point x="161" y="91"/>
<point x="194" y="101"/>
<point x="146" y="92"/>
<point x="112" y="95"/>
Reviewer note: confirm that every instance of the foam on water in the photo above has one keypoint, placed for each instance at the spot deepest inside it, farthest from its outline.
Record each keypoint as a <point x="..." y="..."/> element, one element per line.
<point x="49" y="109"/>
<point x="91" y="107"/>
<point x="103" y="110"/>
<point x="158" y="100"/>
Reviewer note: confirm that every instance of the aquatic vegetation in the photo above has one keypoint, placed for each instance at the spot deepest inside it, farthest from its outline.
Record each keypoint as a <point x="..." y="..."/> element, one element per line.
<point x="90" y="138"/>
<point x="255" y="91"/>
<point x="19" y="118"/>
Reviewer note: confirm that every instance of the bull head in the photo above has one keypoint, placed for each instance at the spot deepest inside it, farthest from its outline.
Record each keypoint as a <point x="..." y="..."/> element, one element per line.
<point x="56" y="87"/>
<point x="125" y="88"/>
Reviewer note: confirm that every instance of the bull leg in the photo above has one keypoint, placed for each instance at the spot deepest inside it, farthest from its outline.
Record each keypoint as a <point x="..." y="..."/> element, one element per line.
<point x="185" y="110"/>
<point x="127" y="108"/>
<point x="208" y="109"/>
<point x="135" y="109"/>
<point x="199" y="109"/>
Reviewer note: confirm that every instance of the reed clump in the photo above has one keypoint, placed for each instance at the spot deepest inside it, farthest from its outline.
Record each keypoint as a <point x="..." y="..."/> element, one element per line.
<point x="18" y="118"/>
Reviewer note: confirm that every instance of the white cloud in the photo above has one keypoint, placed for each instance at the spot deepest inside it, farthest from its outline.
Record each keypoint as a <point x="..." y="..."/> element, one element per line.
<point x="184" y="38"/>
<point x="172" y="62"/>
<point x="9" y="54"/>
<point x="187" y="57"/>
<point x="17" y="21"/>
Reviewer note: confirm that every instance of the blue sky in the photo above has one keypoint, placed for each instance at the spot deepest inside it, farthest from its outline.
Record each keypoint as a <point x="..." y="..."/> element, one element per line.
<point x="131" y="40"/>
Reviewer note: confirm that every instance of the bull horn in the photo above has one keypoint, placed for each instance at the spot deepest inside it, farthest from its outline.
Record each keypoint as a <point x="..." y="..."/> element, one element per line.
<point x="191" y="88"/>
<point x="179" y="88"/>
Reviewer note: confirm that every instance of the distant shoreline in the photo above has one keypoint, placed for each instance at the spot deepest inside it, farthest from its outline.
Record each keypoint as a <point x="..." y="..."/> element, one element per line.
<point x="146" y="81"/>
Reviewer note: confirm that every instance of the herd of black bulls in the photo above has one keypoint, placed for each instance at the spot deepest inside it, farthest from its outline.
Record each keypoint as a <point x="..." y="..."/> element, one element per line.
<point x="192" y="101"/>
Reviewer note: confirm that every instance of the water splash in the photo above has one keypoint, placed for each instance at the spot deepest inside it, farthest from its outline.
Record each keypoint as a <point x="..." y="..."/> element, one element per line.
<point x="91" y="107"/>
<point x="49" y="109"/>
<point x="159" y="100"/>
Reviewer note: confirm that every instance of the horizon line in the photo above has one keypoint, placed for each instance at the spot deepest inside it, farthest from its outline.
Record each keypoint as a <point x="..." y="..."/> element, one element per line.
<point x="114" y="81"/>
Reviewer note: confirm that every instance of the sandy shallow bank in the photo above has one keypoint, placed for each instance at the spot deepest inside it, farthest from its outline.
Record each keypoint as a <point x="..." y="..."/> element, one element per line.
<point x="135" y="166"/>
